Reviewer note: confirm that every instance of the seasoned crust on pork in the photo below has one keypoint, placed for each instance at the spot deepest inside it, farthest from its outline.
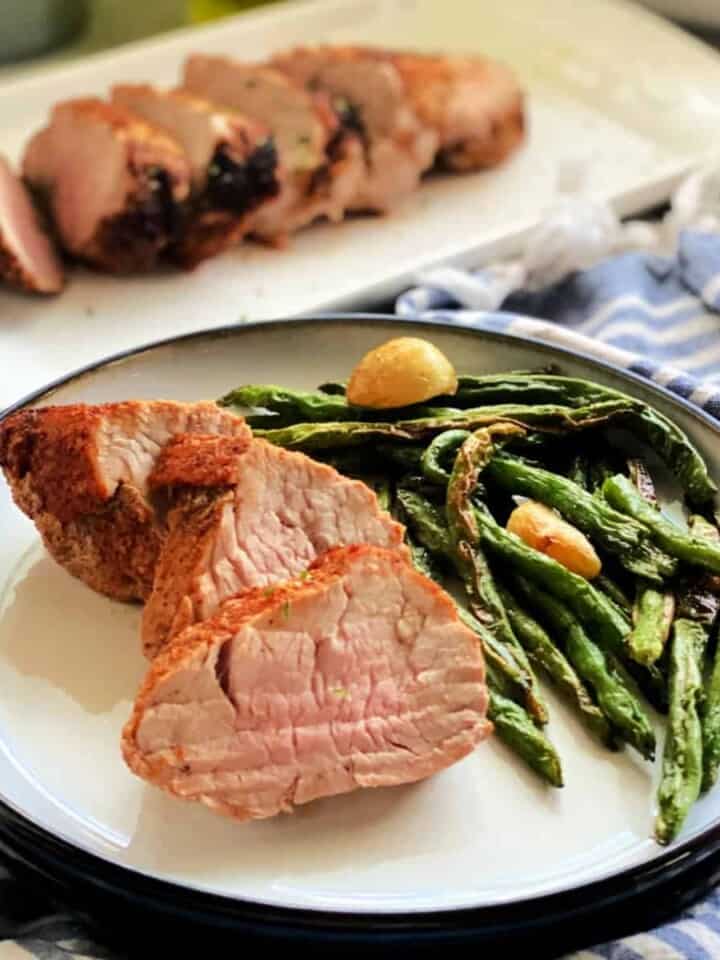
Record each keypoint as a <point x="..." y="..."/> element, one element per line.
<point x="81" y="473"/>
<point x="357" y="674"/>
<point x="399" y="148"/>
<point x="473" y="105"/>
<point x="319" y="156"/>
<point x="112" y="182"/>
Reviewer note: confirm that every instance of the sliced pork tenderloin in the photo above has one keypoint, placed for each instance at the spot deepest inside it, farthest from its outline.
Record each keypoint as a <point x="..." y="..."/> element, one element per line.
<point x="252" y="524"/>
<point x="113" y="183"/>
<point x="28" y="259"/>
<point x="232" y="160"/>
<point x="398" y="147"/>
<point x="80" y="473"/>
<point x="357" y="674"/>
<point x="320" y="155"/>
<point x="474" y="104"/>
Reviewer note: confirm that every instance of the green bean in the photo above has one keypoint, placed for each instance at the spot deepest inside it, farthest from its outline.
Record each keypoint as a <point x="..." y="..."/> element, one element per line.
<point x="711" y="725"/>
<point x="654" y="609"/>
<point x="513" y="724"/>
<point x="547" y="655"/>
<point x="469" y="558"/>
<point x="661" y="434"/>
<point x="422" y="559"/>
<point x="536" y="446"/>
<point x="614" y="592"/>
<point x="508" y="677"/>
<point x="427" y="521"/>
<point x="579" y="472"/>
<point x="406" y="457"/>
<point x="429" y="526"/>
<point x="607" y="625"/>
<point x="699" y="601"/>
<point x="699" y="591"/>
<point x="303" y="406"/>
<point x="608" y="528"/>
<point x="698" y="551"/>
<point x="381" y="486"/>
<point x="352" y="461"/>
<point x="522" y="387"/>
<point x="642" y="480"/>
<point x="601" y="468"/>
<point x="652" y="617"/>
<point x="430" y="530"/>
<point x="650" y="680"/>
<point x="515" y="727"/>
<point x="319" y="436"/>
<point x="678" y="453"/>
<point x="616" y="700"/>
<point x="682" y="769"/>
<point x="442" y="450"/>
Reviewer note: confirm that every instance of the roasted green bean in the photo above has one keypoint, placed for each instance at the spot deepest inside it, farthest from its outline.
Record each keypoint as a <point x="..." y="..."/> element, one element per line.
<point x="616" y="700"/>
<point x="547" y="655"/>
<point x="697" y="551"/>
<point x="608" y="528"/>
<point x="682" y="769"/>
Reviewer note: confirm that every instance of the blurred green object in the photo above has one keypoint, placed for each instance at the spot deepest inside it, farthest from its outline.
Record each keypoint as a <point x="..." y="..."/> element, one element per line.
<point x="200" y="10"/>
<point x="32" y="26"/>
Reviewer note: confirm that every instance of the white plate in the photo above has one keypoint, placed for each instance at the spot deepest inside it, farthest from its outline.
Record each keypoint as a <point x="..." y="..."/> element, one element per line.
<point x="611" y="87"/>
<point x="484" y="832"/>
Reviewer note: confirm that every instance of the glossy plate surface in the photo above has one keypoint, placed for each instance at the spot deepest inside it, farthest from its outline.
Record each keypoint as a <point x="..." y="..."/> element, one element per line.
<point x="483" y="833"/>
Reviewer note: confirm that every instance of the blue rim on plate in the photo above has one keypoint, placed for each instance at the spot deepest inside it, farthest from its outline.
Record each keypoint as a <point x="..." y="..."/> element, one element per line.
<point x="634" y="898"/>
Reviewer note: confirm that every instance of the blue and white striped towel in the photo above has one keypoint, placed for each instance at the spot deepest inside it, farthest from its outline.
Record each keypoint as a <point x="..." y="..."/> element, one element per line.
<point x="658" y="316"/>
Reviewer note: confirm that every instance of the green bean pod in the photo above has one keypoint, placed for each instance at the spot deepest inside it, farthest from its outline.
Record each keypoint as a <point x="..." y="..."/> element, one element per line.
<point x="682" y="769"/>
<point x="652" y="617"/>
<point x="608" y="528"/>
<point x="470" y="561"/>
<point x="616" y="700"/>
<point x="598" y="614"/>
<point x="660" y="433"/>
<point x="515" y="727"/>
<point x="548" y="656"/>
<point x="439" y="455"/>
<point x="319" y="436"/>
<point x="697" y="551"/>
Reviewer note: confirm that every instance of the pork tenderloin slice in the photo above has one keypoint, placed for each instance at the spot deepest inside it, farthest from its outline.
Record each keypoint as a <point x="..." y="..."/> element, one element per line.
<point x="112" y="183"/>
<point x="475" y="105"/>
<point x="358" y="674"/>
<point x="232" y="162"/>
<point x="228" y="534"/>
<point x="399" y="147"/>
<point x="80" y="473"/>
<point x="321" y="158"/>
<point x="298" y="127"/>
<point x="28" y="259"/>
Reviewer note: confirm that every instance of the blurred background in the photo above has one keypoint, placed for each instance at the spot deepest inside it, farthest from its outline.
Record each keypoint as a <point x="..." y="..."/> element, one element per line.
<point x="34" y="33"/>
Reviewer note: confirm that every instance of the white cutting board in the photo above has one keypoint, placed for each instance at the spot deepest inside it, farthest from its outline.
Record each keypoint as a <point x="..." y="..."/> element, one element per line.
<point x="625" y="95"/>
